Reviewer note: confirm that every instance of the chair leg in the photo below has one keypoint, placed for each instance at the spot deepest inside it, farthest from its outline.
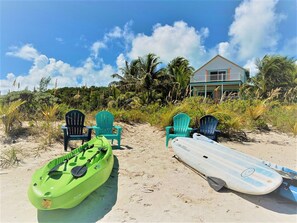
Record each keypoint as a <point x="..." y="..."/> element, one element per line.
<point x="167" y="140"/>
<point x="65" y="143"/>
<point x="83" y="142"/>
<point x="216" y="137"/>
<point x="119" y="143"/>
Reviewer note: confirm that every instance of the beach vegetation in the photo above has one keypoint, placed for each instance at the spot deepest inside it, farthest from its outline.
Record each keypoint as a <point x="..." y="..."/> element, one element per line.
<point x="50" y="129"/>
<point x="10" y="157"/>
<point x="10" y="115"/>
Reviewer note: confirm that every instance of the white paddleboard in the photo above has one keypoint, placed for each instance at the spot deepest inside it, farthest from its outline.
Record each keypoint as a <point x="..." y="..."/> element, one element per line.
<point x="241" y="172"/>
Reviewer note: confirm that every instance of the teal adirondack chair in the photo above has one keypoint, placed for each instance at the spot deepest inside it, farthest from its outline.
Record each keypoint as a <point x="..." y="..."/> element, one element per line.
<point x="104" y="126"/>
<point x="180" y="127"/>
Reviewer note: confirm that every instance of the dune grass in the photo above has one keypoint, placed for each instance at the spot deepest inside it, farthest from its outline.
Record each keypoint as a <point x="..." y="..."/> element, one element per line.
<point x="234" y="115"/>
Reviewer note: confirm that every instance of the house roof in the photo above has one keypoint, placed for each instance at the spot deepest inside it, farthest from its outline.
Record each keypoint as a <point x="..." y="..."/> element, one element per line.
<point x="223" y="59"/>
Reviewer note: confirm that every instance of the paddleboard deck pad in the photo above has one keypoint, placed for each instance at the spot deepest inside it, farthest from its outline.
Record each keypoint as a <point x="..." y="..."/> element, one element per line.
<point x="240" y="172"/>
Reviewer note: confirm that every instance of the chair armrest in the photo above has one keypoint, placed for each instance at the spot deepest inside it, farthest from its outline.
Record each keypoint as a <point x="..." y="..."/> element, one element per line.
<point x="217" y="132"/>
<point x="118" y="128"/>
<point x="64" y="128"/>
<point x="89" y="128"/>
<point x="167" y="128"/>
<point x="195" y="130"/>
<point x="96" y="129"/>
<point x="189" y="130"/>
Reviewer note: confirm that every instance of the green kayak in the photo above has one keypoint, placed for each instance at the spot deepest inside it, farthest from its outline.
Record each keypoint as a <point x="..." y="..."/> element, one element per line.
<point x="66" y="181"/>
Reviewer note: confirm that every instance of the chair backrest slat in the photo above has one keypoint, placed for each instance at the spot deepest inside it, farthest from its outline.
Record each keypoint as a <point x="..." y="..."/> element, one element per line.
<point x="104" y="120"/>
<point x="75" y="122"/>
<point x="208" y="124"/>
<point x="181" y="123"/>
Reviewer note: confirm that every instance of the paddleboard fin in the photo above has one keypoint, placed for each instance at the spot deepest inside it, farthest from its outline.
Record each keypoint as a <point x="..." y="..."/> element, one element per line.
<point x="215" y="183"/>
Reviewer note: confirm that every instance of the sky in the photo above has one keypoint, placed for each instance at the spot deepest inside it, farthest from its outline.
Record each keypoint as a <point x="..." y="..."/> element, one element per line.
<point x="82" y="43"/>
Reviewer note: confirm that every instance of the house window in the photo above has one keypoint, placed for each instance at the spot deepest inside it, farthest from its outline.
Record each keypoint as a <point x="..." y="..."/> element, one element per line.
<point x="218" y="75"/>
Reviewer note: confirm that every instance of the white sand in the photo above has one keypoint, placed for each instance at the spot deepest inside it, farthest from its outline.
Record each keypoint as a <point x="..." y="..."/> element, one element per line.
<point x="148" y="185"/>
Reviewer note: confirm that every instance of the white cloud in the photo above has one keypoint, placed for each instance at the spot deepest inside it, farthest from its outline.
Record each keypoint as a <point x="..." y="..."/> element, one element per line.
<point x="251" y="66"/>
<point x="26" y="52"/>
<point x="10" y="76"/>
<point x="223" y="49"/>
<point x="121" y="61"/>
<point x="168" y="42"/>
<point x="90" y="73"/>
<point x="254" y="29"/>
<point x="96" y="47"/>
<point x="116" y="32"/>
<point x="41" y="61"/>
<point x="124" y="35"/>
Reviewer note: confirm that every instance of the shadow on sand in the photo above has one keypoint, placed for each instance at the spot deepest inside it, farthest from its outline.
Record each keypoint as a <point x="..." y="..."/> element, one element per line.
<point x="123" y="147"/>
<point x="93" y="208"/>
<point x="272" y="202"/>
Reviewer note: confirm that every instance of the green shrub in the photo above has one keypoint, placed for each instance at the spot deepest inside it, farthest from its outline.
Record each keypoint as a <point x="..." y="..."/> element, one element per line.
<point x="283" y="118"/>
<point x="10" y="115"/>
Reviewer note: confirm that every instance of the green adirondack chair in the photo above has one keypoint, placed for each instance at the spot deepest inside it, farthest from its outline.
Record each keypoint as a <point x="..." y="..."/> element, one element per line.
<point x="180" y="127"/>
<point x="104" y="126"/>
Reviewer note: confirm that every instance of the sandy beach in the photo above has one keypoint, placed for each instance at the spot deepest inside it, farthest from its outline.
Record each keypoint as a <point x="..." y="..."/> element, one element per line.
<point x="148" y="185"/>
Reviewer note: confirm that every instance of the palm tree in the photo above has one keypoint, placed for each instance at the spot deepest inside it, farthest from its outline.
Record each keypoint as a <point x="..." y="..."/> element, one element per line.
<point x="180" y="71"/>
<point x="149" y="73"/>
<point x="129" y="79"/>
<point x="274" y="71"/>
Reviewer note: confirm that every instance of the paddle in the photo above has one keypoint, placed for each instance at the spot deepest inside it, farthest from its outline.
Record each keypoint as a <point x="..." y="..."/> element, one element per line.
<point x="80" y="171"/>
<point x="215" y="183"/>
<point x="55" y="168"/>
<point x="65" y="161"/>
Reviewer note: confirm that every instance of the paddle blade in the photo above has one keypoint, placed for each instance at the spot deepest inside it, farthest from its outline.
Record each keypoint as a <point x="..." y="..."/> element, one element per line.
<point x="79" y="171"/>
<point x="55" y="168"/>
<point x="215" y="183"/>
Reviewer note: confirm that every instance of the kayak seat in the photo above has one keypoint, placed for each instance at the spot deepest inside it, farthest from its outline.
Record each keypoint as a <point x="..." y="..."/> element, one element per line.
<point x="207" y="127"/>
<point x="105" y="126"/>
<point x="180" y="127"/>
<point x="75" y="128"/>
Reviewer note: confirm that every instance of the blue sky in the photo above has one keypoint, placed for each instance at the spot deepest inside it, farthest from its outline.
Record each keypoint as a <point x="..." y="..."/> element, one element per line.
<point x="80" y="43"/>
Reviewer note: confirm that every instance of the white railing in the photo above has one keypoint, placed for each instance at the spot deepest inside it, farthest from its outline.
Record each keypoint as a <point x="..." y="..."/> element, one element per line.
<point x="219" y="77"/>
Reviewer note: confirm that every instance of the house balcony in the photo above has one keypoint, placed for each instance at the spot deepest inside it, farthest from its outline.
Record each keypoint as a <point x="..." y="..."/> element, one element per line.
<point x="219" y="78"/>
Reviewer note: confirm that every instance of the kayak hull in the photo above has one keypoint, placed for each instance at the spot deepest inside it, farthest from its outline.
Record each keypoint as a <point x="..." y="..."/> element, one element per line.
<point x="288" y="190"/>
<point x="60" y="189"/>
<point x="240" y="172"/>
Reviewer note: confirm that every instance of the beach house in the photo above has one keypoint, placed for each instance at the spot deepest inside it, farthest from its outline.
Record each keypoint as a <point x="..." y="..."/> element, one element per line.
<point x="217" y="77"/>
